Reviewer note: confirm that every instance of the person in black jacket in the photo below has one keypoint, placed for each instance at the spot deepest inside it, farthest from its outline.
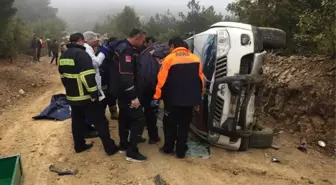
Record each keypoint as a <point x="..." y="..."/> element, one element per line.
<point x="78" y="78"/>
<point x="122" y="84"/>
<point x="54" y="47"/>
<point x="150" y="64"/>
<point x="110" y="101"/>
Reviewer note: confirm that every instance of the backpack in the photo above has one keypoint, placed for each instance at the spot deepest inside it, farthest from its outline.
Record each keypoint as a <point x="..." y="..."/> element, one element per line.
<point x="149" y="67"/>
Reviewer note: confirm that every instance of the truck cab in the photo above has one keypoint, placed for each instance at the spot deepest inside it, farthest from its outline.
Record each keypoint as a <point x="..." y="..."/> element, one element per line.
<point x="232" y="56"/>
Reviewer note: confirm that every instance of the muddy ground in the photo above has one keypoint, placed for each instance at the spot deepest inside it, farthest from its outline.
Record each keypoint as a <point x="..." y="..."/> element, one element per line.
<point x="42" y="143"/>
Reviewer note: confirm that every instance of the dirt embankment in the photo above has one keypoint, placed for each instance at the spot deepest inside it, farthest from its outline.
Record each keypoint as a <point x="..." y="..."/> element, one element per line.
<point x="300" y="98"/>
<point x="21" y="77"/>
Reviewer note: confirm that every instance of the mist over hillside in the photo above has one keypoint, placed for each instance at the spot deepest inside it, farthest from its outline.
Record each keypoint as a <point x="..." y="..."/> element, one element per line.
<point x="82" y="15"/>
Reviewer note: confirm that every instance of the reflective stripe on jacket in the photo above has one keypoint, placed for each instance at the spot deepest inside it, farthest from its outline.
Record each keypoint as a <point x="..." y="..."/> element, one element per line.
<point x="180" y="80"/>
<point x="78" y="75"/>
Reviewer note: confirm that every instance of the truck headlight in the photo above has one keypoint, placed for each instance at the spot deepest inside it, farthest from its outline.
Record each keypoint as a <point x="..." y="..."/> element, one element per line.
<point x="223" y="43"/>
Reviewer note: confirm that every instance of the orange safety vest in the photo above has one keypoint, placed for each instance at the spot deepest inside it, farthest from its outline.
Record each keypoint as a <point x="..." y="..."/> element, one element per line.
<point x="181" y="79"/>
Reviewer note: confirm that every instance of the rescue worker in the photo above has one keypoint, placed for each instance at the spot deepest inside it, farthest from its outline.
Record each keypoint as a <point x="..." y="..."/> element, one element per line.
<point x="180" y="82"/>
<point x="54" y="47"/>
<point x="78" y="78"/>
<point x="150" y="64"/>
<point x="123" y="84"/>
<point x="111" y="100"/>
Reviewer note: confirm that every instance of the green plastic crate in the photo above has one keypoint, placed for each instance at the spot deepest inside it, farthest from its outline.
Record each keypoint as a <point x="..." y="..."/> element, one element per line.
<point x="11" y="170"/>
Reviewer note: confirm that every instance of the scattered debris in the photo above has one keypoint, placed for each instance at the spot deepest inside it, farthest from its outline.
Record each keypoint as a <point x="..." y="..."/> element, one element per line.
<point x="159" y="181"/>
<point x="52" y="168"/>
<point x="325" y="180"/>
<point x="303" y="147"/>
<point x="62" y="159"/>
<point x="307" y="179"/>
<point x="198" y="148"/>
<point x="276" y="160"/>
<point x="322" y="144"/>
<point x="275" y="147"/>
<point x="21" y="91"/>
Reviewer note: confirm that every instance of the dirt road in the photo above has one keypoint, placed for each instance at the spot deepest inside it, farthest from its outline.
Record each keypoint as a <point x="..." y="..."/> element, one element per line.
<point x="42" y="143"/>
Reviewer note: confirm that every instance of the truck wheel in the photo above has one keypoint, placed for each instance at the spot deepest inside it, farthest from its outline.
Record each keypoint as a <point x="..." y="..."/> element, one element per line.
<point x="273" y="38"/>
<point x="261" y="137"/>
<point x="244" y="144"/>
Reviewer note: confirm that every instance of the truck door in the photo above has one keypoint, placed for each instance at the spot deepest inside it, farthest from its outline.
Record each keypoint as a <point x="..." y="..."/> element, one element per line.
<point x="205" y="48"/>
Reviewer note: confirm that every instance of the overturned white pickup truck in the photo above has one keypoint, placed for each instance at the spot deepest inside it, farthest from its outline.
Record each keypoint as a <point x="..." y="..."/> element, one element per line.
<point x="232" y="55"/>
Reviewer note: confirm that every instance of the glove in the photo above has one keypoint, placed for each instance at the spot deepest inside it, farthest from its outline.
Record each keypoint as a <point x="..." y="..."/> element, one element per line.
<point x="154" y="103"/>
<point x="105" y="50"/>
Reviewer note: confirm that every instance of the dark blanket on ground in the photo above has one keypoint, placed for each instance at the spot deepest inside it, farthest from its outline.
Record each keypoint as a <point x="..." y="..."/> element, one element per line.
<point x="58" y="109"/>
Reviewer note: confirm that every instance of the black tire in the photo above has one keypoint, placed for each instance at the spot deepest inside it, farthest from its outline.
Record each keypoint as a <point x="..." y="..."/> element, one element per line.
<point x="244" y="144"/>
<point x="261" y="137"/>
<point x="273" y="38"/>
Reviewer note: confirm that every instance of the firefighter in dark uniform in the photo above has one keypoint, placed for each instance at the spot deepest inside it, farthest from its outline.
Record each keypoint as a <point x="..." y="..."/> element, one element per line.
<point x="180" y="82"/>
<point x="123" y="84"/>
<point x="78" y="78"/>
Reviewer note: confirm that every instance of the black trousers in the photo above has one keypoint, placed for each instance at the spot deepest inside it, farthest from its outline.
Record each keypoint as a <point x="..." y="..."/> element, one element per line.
<point x="150" y="114"/>
<point x="109" y="100"/>
<point x="176" y="123"/>
<point x="54" y="57"/>
<point x="95" y="114"/>
<point x="50" y="53"/>
<point x="38" y="54"/>
<point x="131" y="125"/>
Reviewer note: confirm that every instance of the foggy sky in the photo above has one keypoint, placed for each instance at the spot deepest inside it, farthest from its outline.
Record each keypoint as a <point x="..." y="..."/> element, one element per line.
<point x="90" y="11"/>
<point x="148" y="5"/>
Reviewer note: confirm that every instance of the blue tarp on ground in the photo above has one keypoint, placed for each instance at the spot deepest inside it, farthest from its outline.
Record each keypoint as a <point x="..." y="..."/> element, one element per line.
<point x="58" y="109"/>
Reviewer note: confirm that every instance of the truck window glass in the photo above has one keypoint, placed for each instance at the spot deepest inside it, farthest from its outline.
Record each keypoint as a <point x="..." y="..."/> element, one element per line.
<point x="190" y="43"/>
<point x="199" y="42"/>
<point x="209" y="56"/>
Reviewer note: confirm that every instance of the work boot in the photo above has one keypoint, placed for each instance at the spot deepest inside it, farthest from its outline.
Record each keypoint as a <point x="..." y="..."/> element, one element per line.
<point x="135" y="156"/>
<point x="114" y="149"/>
<point x="114" y="112"/>
<point x="181" y="153"/>
<point x="123" y="147"/>
<point x="92" y="133"/>
<point x="84" y="148"/>
<point x="166" y="152"/>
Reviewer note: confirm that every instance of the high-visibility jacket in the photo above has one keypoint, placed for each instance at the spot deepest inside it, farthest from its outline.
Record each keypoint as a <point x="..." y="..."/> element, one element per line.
<point x="180" y="80"/>
<point x="78" y="75"/>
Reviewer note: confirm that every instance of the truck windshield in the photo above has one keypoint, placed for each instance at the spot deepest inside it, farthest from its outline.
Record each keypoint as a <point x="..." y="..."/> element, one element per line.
<point x="209" y="56"/>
